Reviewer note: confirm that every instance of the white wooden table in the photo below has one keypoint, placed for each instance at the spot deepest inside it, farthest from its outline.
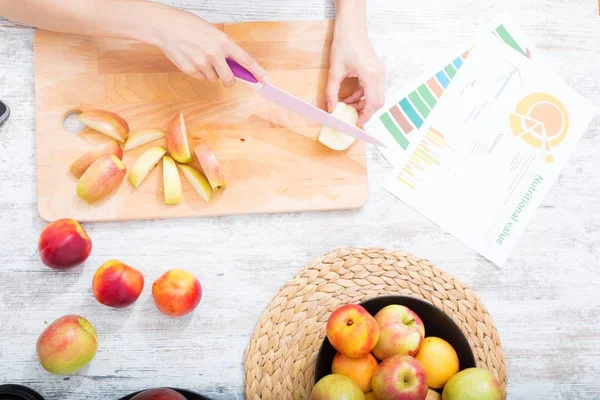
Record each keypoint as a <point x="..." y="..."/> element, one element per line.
<point x="545" y="301"/>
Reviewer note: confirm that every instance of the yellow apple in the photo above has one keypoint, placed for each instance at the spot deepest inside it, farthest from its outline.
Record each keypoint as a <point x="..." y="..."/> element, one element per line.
<point x="171" y="182"/>
<point x="146" y="163"/>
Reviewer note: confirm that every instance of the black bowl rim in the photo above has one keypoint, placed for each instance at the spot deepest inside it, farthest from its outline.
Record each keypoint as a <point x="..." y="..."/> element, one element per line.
<point x="19" y="390"/>
<point x="392" y="297"/>
<point x="184" y="392"/>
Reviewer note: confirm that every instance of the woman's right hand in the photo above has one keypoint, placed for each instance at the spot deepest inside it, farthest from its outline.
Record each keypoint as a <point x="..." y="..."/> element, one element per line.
<point x="199" y="49"/>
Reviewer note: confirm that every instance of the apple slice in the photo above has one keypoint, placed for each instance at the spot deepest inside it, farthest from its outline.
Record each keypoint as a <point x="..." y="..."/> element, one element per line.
<point x="146" y="163"/>
<point x="105" y="122"/>
<point x="197" y="180"/>
<point x="82" y="163"/>
<point x="101" y="178"/>
<point x="210" y="166"/>
<point x="142" y="137"/>
<point x="177" y="140"/>
<point x="171" y="181"/>
<point x="336" y="140"/>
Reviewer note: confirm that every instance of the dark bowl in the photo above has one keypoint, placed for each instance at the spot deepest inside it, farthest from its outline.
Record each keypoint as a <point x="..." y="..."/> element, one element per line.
<point x="436" y="322"/>
<point x="188" y="394"/>
<point x="18" y="392"/>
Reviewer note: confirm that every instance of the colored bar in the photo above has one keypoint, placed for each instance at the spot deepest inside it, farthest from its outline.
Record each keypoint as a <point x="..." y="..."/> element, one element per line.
<point x="394" y="131"/>
<point x="407" y="183"/>
<point x="435" y="87"/>
<point x="437" y="140"/>
<point x="408" y="172"/>
<point x="442" y="79"/>
<point x="457" y="62"/>
<point x="401" y="120"/>
<point x="435" y="131"/>
<point x="433" y="141"/>
<point x="411" y="113"/>
<point x="417" y="102"/>
<point x="450" y="70"/>
<point x="415" y="165"/>
<point x="427" y="96"/>
<point x="509" y="40"/>
<point x="424" y="154"/>
<point x="465" y="55"/>
<point x="422" y="158"/>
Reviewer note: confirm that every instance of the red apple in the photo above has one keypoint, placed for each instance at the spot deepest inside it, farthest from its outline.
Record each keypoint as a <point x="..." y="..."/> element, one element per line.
<point x="177" y="140"/>
<point x="401" y="332"/>
<point x="177" y="293"/>
<point x="101" y="178"/>
<point x="67" y="345"/>
<point x="352" y="331"/>
<point x="117" y="285"/>
<point x="159" y="394"/>
<point x="64" y="244"/>
<point x="106" y="122"/>
<point x="210" y="166"/>
<point x="400" y="377"/>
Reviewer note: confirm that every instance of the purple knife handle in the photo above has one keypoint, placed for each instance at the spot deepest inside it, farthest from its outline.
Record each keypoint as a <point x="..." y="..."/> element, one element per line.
<point x="240" y="72"/>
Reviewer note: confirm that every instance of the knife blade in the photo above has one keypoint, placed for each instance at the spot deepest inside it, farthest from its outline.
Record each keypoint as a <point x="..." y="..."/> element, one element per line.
<point x="293" y="103"/>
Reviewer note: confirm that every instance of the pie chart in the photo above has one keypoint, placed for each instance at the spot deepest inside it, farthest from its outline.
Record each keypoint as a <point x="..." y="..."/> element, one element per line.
<point x="541" y="121"/>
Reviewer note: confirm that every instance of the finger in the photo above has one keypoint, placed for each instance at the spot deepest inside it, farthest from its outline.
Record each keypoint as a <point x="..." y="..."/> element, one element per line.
<point x="371" y="86"/>
<point x="356" y="96"/>
<point x="209" y="72"/>
<point x="198" y="75"/>
<point x="336" y="75"/>
<point x="244" y="58"/>
<point x="224" y="73"/>
<point x="358" y="106"/>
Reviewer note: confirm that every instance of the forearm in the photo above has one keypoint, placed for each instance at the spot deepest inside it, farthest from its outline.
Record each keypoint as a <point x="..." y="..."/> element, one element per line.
<point x="123" y="19"/>
<point x="351" y="14"/>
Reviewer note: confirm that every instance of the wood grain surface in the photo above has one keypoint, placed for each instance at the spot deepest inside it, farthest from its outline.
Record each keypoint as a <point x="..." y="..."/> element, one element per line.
<point x="269" y="155"/>
<point x="544" y="302"/>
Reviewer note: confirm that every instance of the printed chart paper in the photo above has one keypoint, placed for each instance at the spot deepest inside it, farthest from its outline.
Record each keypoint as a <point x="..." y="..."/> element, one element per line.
<point x="482" y="162"/>
<point x="407" y="111"/>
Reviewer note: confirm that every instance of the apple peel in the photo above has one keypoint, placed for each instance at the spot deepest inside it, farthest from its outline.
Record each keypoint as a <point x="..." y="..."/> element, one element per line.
<point x="210" y="166"/>
<point x="142" y="137"/>
<point x="197" y="180"/>
<point x="336" y="140"/>
<point x="177" y="140"/>
<point x="80" y="165"/>
<point x="101" y="178"/>
<point x="105" y="122"/>
<point x="145" y="164"/>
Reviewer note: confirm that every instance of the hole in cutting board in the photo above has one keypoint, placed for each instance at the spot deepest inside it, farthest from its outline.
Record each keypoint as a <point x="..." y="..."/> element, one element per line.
<point x="70" y="122"/>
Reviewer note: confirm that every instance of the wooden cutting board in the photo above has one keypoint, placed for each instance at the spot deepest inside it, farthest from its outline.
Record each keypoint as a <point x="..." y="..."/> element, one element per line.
<point x="269" y="155"/>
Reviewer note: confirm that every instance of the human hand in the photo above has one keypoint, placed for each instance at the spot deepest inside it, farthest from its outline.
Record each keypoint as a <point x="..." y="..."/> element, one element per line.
<point x="352" y="55"/>
<point x="200" y="50"/>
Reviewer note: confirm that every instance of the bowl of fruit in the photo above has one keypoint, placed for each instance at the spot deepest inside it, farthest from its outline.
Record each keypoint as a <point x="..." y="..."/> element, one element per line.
<point x="398" y="347"/>
<point x="164" y="394"/>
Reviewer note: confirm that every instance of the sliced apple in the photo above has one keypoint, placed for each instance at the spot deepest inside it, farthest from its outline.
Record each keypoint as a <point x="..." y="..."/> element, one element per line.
<point x="106" y="122"/>
<point x="146" y="163"/>
<point x="197" y="180"/>
<point x="140" y="138"/>
<point x="82" y="163"/>
<point x="171" y="181"/>
<point x="210" y="165"/>
<point x="336" y="140"/>
<point x="177" y="140"/>
<point x="101" y="178"/>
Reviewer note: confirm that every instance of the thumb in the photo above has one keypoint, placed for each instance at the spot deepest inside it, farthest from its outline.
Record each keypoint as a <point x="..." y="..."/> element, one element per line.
<point x="336" y="75"/>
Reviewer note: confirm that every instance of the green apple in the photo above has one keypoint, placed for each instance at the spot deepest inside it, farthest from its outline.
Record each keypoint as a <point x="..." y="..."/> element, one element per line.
<point x="472" y="384"/>
<point x="336" y="387"/>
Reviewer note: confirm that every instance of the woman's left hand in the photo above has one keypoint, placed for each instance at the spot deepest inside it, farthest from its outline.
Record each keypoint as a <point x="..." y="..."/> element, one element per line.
<point x="352" y="55"/>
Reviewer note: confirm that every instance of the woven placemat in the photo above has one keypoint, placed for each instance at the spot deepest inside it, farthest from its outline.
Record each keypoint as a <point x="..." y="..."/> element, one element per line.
<point x="280" y="357"/>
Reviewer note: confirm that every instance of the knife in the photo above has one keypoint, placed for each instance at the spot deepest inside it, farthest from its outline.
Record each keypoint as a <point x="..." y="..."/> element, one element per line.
<point x="291" y="102"/>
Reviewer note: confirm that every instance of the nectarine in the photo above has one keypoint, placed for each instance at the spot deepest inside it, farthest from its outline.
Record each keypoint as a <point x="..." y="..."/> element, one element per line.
<point x="117" y="285"/>
<point x="177" y="292"/>
<point x="64" y="244"/>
